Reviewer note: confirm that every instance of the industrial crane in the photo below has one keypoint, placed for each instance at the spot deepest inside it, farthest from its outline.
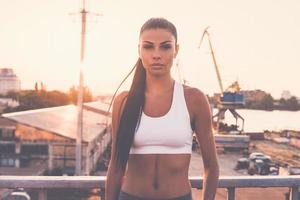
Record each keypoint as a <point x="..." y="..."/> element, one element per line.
<point x="231" y="98"/>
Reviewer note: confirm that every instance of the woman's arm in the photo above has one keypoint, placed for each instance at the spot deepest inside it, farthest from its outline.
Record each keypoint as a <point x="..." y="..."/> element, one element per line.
<point x="114" y="175"/>
<point x="203" y="129"/>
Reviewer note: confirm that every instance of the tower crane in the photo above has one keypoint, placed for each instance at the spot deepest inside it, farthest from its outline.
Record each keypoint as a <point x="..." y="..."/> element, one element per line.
<point x="231" y="98"/>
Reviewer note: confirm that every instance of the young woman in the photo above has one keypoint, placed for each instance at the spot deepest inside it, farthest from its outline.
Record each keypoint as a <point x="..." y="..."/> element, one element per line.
<point x="152" y="127"/>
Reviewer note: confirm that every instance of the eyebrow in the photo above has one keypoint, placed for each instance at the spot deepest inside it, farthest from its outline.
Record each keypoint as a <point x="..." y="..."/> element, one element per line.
<point x="160" y="43"/>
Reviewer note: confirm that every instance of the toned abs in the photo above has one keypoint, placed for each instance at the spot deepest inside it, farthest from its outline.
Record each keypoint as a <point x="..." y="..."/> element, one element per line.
<point x="157" y="174"/>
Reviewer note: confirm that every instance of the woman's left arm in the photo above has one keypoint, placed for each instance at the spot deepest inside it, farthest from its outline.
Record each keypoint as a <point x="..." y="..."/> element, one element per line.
<point x="202" y="121"/>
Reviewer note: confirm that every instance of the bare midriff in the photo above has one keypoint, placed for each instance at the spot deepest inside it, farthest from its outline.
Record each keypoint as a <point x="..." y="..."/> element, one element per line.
<point x="157" y="176"/>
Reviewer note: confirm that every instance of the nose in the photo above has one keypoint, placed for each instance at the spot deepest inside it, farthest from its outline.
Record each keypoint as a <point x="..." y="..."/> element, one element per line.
<point x="156" y="54"/>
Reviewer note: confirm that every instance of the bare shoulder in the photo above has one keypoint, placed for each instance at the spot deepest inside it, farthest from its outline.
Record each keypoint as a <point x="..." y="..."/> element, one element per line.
<point x="198" y="105"/>
<point x="120" y="98"/>
<point x="117" y="109"/>
<point x="194" y="97"/>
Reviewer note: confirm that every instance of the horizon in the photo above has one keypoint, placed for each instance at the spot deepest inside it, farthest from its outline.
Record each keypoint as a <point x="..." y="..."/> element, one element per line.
<point x="111" y="93"/>
<point x="254" y="42"/>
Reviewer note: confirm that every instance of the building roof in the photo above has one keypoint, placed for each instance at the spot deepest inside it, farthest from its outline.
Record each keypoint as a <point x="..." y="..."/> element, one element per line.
<point x="62" y="120"/>
<point x="7" y="72"/>
<point x="6" y="122"/>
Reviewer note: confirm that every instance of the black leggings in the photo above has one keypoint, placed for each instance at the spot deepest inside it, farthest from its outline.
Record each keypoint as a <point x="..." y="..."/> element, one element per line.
<point x="126" y="196"/>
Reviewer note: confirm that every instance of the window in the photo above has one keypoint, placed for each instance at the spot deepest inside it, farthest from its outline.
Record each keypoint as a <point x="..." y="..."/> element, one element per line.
<point x="11" y="162"/>
<point x="7" y="162"/>
<point x="7" y="134"/>
<point x="7" y="149"/>
<point x="34" y="149"/>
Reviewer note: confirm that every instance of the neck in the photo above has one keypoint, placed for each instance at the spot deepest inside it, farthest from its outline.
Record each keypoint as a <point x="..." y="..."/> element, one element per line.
<point x="159" y="84"/>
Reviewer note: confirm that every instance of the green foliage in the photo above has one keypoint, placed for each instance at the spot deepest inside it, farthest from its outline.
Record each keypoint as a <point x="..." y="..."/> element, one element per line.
<point x="35" y="99"/>
<point x="289" y="104"/>
<point x="73" y="94"/>
<point x="268" y="103"/>
<point x="13" y="95"/>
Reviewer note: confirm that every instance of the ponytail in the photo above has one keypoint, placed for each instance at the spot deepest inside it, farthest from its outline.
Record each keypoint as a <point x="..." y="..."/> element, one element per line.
<point x="130" y="117"/>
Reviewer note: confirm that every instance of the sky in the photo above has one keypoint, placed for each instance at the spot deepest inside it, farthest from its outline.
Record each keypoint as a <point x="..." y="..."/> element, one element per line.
<point x="255" y="42"/>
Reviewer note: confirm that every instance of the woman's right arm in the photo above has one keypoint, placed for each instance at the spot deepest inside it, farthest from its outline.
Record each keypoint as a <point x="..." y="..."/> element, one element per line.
<point x="114" y="174"/>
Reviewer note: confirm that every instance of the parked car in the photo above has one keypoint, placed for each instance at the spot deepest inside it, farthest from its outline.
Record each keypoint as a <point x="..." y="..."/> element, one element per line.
<point x="261" y="156"/>
<point x="258" y="163"/>
<point x="18" y="194"/>
<point x="294" y="170"/>
<point x="262" y="164"/>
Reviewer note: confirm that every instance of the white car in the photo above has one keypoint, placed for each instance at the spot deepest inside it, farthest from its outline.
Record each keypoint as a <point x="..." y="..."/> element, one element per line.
<point x="18" y="195"/>
<point x="261" y="156"/>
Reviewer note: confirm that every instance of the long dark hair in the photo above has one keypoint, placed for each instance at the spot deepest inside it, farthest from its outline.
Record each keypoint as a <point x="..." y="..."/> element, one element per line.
<point x="133" y="107"/>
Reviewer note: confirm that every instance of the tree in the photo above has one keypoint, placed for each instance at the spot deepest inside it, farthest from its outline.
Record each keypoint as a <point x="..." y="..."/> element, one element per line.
<point x="282" y="101"/>
<point x="36" y="87"/>
<point x="43" y="87"/>
<point x="32" y="99"/>
<point x="73" y="94"/>
<point x="267" y="102"/>
<point x="292" y="103"/>
<point x="35" y="99"/>
<point x="13" y="95"/>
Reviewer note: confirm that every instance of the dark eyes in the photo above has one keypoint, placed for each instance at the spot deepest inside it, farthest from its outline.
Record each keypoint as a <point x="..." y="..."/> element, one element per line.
<point x="147" y="46"/>
<point x="166" y="46"/>
<point x="163" y="46"/>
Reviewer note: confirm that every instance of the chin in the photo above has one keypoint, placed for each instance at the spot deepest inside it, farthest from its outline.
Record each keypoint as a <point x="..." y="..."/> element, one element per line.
<point x="158" y="73"/>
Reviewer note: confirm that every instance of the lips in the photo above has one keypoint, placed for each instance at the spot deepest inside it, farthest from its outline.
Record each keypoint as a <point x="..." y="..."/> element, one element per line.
<point x="157" y="65"/>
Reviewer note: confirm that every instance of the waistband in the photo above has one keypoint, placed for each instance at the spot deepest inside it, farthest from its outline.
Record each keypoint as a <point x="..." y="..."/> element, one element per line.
<point x="126" y="196"/>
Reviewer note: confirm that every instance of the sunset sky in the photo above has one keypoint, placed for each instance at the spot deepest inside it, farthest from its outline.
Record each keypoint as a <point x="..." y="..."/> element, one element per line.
<point x="256" y="42"/>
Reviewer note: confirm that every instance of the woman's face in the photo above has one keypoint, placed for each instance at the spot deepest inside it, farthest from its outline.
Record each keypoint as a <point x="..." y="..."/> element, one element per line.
<point x="157" y="49"/>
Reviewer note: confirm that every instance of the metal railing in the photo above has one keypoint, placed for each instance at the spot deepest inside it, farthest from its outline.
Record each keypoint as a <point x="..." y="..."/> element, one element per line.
<point x="42" y="183"/>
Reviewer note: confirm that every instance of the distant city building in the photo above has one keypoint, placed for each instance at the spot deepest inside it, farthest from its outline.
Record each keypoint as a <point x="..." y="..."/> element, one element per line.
<point x="8" y="81"/>
<point x="286" y="94"/>
<point x="253" y="95"/>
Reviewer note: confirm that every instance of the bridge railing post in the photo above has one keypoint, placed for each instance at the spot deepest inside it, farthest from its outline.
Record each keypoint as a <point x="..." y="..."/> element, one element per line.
<point x="230" y="193"/>
<point x="42" y="194"/>
<point x="294" y="193"/>
<point x="102" y="193"/>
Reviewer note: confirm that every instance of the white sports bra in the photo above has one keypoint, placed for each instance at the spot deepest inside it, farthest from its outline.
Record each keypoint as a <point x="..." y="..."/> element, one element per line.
<point x="168" y="134"/>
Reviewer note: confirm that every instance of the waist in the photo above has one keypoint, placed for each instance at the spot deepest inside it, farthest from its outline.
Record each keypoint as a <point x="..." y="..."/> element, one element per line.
<point x="166" y="164"/>
<point x="126" y="196"/>
<point x="162" y="190"/>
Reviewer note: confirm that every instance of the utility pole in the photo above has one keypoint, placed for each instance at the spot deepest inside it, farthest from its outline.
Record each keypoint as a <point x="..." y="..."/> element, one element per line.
<point x="78" y="167"/>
